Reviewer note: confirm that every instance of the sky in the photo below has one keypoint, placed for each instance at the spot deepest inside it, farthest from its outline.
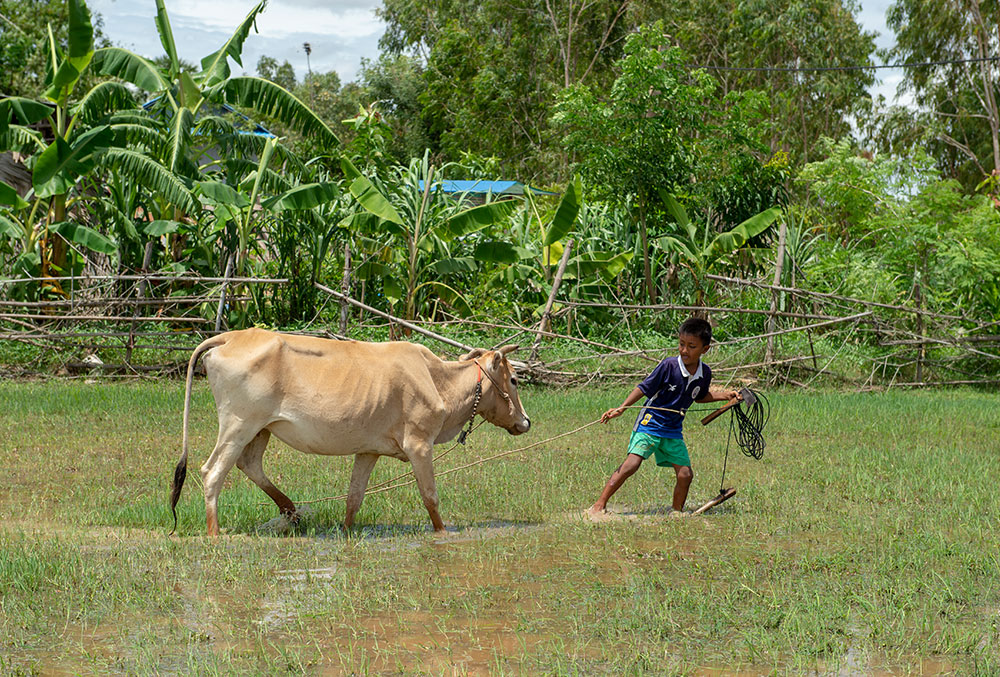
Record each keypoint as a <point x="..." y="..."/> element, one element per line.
<point x="340" y="32"/>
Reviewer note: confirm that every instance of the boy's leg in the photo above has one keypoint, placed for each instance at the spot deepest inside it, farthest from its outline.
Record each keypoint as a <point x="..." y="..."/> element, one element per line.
<point x="684" y="477"/>
<point x="617" y="479"/>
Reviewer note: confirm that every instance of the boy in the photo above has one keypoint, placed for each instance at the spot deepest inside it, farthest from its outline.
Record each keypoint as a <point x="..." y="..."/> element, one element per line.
<point x="673" y="385"/>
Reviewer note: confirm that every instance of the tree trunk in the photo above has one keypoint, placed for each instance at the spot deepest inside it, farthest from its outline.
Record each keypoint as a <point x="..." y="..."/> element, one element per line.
<point x="542" y="325"/>
<point x="647" y="271"/>
<point x="345" y="288"/>
<point x="778" y="265"/>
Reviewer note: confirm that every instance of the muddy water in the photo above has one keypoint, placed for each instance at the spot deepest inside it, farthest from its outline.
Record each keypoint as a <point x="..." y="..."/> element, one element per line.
<point x="462" y="634"/>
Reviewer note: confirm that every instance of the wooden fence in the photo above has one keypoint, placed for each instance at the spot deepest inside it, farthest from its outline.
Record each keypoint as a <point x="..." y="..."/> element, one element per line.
<point x="112" y="325"/>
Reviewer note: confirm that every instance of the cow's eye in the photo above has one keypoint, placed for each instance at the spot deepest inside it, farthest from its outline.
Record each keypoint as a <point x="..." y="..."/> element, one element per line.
<point x="513" y="381"/>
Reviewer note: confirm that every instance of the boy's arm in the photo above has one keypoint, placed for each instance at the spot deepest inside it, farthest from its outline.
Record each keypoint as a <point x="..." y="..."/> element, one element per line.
<point x="719" y="395"/>
<point x="615" y="412"/>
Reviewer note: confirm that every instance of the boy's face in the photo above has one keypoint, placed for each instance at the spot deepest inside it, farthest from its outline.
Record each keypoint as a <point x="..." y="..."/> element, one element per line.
<point x="691" y="349"/>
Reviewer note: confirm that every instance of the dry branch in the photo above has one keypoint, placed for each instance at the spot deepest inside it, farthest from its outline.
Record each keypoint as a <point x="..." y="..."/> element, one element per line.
<point x="404" y="323"/>
<point x="807" y="327"/>
<point x="848" y="299"/>
<point x="96" y="318"/>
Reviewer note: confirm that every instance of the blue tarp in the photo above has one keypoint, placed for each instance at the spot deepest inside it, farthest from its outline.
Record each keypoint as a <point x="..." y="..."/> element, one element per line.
<point x="494" y="187"/>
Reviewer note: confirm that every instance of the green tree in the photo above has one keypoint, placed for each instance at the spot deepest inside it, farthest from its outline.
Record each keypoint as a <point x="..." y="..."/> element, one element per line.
<point x="781" y="35"/>
<point x="24" y="36"/>
<point x="958" y="116"/>
<point x="493" y="69"/>
<point x="280" y="74"/>
<point x="663" y="127"/>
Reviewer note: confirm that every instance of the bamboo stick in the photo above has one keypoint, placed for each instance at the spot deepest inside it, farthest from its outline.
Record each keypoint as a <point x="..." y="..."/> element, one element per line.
<point x="105" y="318"/>
<point x="151" y="278"/>
<point x="710" y="309"/>
<point x="409" y="325"/>
<point x="795" y="329"/>
<point x="115" y="300"/>
<point x="543" y="323"/>
<point x="848" y="299"/>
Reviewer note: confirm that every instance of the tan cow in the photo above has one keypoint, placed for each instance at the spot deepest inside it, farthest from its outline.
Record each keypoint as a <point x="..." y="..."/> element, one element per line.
<point x="337" y="398"/>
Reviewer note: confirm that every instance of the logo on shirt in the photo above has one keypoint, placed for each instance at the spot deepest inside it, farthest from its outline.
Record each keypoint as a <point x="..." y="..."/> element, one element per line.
<point x="694" y="392"/>
<point x="672" y="387"/>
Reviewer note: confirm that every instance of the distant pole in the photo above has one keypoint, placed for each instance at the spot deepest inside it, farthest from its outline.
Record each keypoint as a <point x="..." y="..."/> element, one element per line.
<point x="309" y="50"/>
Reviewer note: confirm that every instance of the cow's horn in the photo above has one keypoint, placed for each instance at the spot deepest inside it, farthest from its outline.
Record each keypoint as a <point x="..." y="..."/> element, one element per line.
<point x="507" y="349"/>
<point x="471" y="355"/>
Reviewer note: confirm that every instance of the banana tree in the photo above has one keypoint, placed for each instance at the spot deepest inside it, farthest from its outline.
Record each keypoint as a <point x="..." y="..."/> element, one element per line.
<point x="421" y="226"/>
<point x="700" y="249"/>
<point x="540" y="241"/>
<point x="182" y="98"/>
<point x="85" y="138"/>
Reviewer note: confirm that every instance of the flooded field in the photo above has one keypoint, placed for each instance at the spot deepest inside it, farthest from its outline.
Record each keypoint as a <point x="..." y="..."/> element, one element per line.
<point x="857" y="546"/>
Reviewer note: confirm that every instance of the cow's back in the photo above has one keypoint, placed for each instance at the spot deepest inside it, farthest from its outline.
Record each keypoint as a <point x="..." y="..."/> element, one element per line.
<point x="324" y="396"/>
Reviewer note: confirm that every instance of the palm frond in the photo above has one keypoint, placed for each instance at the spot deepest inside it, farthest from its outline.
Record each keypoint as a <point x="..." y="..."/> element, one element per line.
<point x="176" y="156"/>
<point x="130" y="67"/>
<point x="215" y="66"/>
<point x="276" y="102"/>
<point x="153" y="177"/>
<point x="104" y="98"/>
<point x="20" y="138"/>
<point x="127" y="133"/>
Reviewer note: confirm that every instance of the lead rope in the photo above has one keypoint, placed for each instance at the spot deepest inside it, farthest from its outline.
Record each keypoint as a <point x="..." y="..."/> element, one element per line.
<point x="394" y="483"/>
<point x="475" y="404"/>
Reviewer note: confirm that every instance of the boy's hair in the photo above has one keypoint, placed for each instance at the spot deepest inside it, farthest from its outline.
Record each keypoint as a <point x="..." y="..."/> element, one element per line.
<point x="695" y="326"/>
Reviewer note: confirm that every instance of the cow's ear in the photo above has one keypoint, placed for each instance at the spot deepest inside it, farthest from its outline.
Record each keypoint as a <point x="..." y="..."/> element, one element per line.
<point x="496" y="361"/>
<point x="471" y="355"/>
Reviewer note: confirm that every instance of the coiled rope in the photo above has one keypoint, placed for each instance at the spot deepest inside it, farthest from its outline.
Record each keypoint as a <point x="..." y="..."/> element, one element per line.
<point x="746" y="424"/>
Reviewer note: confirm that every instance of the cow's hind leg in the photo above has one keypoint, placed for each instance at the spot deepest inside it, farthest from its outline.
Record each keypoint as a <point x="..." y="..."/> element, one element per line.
<point x="423" y="470"/>
<point x="229" y="446"/>
<point x="252" y="465"/>
<point x="363" y="464"/>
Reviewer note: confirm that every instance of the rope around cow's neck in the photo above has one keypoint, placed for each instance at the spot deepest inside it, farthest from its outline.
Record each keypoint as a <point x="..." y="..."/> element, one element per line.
<point x="389" y="484"/>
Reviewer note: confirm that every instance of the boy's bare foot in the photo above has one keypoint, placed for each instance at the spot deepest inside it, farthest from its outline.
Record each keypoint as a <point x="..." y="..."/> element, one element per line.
<point x="596" y="514"/>
<point x="679" y="513"/>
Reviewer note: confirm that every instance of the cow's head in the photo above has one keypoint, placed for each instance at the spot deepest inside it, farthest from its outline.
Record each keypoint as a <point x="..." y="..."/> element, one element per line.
<point x="500" y="404"/>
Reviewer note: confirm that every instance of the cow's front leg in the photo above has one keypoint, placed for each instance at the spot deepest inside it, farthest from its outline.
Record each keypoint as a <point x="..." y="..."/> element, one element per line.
<point x="363" y="464"/>
<point x="423" y="469"/>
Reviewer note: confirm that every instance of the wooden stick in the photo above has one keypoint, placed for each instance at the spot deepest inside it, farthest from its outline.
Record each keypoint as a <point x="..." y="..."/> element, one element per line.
<point x="711" y="309"/>
<point x="772" y="317"/>
<point x="794" y="329"/>
<point x="721" y="498"/>
<point x="848" y="299"/>
<point x="542" y="324"/>
<point x="409" y="325"/>
<point x="105" y="318"/>
<point x="151" y="278"/>
<point x="115" y="300"/>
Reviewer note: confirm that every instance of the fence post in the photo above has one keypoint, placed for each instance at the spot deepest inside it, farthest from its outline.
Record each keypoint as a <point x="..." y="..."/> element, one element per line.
<point x="222" y="295"/>
<point x="778" y="265"/>
<point x="147" y="258"/>
<point x="345" y="288"/>
<point x="552" y="297"/>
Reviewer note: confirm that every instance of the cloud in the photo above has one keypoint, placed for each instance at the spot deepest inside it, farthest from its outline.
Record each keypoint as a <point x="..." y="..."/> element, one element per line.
<point x="282" y="18"/>
<point x="341" y="33"/>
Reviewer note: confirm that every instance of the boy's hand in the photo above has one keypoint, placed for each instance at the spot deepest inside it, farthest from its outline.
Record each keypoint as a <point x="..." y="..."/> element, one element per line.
<point x="612" y="413"/>
<point x="734" y="395"/>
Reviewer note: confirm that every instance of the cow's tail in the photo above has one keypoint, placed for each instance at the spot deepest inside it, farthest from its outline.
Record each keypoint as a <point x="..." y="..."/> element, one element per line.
<point x="180" y="472"/>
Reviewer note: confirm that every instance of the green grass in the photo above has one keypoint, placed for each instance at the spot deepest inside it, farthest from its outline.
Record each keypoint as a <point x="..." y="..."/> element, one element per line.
<point x="864" y="541"/>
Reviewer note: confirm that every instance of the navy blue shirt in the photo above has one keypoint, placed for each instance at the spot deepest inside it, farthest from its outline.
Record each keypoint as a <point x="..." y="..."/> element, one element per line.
<point x="670" y="386"/>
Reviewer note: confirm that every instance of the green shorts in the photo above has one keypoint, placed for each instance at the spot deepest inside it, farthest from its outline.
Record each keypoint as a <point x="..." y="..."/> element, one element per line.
<point x="668" y="451"/>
